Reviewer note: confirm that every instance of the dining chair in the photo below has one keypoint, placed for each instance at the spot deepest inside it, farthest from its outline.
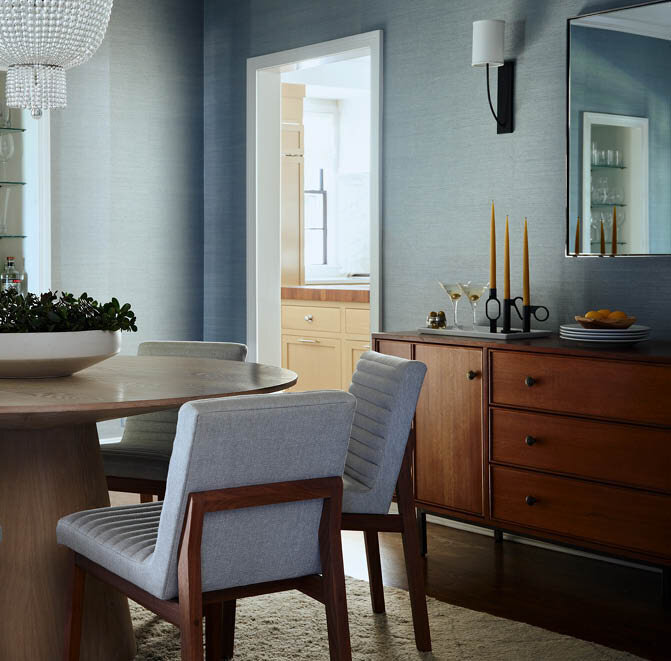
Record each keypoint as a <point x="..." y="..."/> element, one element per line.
<point x="252" y="506"/>
<point x="139" y="463"/>
<point x="379" y="460"/>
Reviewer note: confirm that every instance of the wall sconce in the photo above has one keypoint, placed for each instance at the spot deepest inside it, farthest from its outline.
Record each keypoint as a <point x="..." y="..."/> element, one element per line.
<point x="488" y="51"/>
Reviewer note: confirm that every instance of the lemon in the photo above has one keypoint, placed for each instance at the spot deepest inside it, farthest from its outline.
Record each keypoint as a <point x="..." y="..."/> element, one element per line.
<point x="593" y="315"/>
<point x="604" y="313"/>
<point x="617" y="314"/>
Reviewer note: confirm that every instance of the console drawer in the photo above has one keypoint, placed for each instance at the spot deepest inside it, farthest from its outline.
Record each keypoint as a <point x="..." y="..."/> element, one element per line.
<point x="311" y="318"/>
<point x="619" y="390"/>
<point x="617" y="516"/>
<point x="612" y="452"/>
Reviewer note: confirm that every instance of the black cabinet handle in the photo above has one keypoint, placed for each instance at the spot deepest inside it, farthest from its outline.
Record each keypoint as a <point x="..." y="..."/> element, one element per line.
<point x="530" y="500"/>
<point x="530" y="440"/>
<point x="470" y="375"/>
<point x="529" y="381"/>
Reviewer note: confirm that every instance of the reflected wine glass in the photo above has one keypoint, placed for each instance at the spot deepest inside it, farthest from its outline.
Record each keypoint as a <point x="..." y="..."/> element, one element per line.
<point x="473" y="292"/>
<point x="455" y="294"/>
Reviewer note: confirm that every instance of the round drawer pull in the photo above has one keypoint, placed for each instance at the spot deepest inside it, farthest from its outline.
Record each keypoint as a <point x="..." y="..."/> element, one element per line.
<point x="470" y="375"/>
<point x="308" y="318"/>
<point x="530" y="500"/>
<point x="529" y="381"/>
<point x="530" y="440"/>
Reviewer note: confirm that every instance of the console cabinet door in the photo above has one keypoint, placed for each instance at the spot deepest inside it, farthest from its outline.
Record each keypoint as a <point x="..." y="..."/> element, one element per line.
<point x="448" y="458"/>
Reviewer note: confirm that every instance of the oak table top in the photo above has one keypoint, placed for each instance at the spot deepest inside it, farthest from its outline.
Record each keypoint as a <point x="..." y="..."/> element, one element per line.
<point x="129" y="385"/>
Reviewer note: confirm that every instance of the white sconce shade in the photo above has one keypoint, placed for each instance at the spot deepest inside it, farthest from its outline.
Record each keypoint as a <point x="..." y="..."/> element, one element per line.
<point x="488" y="43"/>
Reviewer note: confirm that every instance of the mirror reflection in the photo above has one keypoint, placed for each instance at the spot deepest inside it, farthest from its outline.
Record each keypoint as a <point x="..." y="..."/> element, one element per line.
<point x="619" y="160"/>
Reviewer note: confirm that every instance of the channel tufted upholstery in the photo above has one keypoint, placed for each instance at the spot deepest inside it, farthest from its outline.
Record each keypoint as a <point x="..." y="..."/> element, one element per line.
<point x="225" y="443"/>
<point x="145" y="448"/>
<point x="386" y="389"/>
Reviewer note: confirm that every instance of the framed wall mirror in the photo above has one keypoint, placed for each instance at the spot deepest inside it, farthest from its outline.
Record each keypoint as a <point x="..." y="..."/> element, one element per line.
<point x="619" y="132"/>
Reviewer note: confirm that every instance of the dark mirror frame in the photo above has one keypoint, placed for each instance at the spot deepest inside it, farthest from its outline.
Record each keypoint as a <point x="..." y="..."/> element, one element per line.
<point x="567" y="243"/>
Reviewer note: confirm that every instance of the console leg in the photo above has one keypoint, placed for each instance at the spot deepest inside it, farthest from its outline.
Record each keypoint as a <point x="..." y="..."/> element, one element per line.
<point x="498" y="536"/>
<point x="421" y="529"/>
<point x="666" y="587"/>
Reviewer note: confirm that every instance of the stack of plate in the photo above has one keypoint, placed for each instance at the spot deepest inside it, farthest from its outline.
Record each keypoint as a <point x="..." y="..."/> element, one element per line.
<point x="577" y="333"/>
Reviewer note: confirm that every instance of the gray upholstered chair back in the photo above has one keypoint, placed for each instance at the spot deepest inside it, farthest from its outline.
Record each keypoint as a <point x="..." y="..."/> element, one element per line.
<point x="386" y="389"/>
<point x="251" y="440"/>
<point x="160" y="426"/>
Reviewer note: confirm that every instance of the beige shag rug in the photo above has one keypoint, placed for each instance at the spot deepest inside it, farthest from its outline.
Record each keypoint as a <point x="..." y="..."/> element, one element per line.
<point x="293" y="627"/>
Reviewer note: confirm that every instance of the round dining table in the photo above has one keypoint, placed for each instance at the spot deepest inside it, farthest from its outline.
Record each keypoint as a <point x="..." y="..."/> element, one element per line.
<point x="50" y="466"/>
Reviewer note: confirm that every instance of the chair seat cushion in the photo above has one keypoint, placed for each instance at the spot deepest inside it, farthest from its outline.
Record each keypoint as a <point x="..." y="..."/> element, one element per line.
<point x="121" y="539"/>
<point x="141" y="459"/>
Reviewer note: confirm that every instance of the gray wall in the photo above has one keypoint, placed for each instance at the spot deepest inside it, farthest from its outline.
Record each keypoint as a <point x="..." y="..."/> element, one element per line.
<point x="624" y="74"/>
<point x="443" y="161"/>
<point x="127" y="170"/>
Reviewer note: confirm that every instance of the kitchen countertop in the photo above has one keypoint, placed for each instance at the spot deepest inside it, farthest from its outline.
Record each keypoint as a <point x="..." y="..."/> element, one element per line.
<point x="359" y="293"/>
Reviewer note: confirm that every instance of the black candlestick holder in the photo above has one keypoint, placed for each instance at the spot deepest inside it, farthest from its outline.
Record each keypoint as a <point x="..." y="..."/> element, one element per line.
<point x="538" y="312"/>
<point x="529" y="311"/>
<point x="490" y="304"/>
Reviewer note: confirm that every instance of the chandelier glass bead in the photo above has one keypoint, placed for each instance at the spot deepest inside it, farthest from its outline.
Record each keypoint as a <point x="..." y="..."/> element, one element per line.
<point x="40" y="40"/>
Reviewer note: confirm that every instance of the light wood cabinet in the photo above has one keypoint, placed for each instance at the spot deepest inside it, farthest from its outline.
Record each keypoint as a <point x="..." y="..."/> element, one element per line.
<point x="352" y="350"/>
<point x="323" y="340"/>
<point x="448" y="458"/>
<point x="316" y="360"/>
<point x="292" y="168"/>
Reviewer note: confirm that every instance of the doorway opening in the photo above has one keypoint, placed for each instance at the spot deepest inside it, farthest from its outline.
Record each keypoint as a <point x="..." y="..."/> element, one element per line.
<point x="313" y="206"/>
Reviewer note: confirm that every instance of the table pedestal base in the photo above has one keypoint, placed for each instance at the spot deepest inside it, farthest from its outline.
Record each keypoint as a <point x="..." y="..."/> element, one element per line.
<point x="45" y="474"/>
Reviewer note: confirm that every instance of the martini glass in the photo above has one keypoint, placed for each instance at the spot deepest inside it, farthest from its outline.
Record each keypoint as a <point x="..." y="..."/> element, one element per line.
<point x="473" y="292"/>
<point x="455" y="293"/>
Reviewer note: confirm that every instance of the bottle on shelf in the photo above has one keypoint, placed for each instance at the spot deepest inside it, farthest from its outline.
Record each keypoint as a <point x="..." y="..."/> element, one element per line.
<point x="11" y="277"/>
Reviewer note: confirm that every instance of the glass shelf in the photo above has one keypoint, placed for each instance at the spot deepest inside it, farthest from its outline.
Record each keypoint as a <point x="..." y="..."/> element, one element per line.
<point x="609" y="167"/>
<point x="12" y="183"/>
<point x="12" y="236"/>
<point x="7" y="129"/>
<point x="594" y="204"/>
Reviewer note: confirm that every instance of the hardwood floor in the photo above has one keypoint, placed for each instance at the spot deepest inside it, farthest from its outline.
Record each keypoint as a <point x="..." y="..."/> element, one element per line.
<point x="615" y="606"/>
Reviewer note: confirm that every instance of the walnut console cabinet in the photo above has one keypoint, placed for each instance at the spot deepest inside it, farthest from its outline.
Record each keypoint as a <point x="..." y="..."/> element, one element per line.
<point x="546" y="439"/>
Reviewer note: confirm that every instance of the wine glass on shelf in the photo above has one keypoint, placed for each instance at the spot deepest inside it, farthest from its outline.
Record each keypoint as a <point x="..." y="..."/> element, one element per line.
<point x="455" y="294"/>
<point x="473" y="292"/>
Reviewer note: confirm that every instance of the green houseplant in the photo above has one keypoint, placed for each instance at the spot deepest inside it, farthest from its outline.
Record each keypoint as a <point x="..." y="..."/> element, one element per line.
<point x="58" y="334"/>
<point x="52" y="312"/>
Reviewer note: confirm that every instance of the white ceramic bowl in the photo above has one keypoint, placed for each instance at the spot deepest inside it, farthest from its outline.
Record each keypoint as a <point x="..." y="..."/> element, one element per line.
<point x="39" y="355"/>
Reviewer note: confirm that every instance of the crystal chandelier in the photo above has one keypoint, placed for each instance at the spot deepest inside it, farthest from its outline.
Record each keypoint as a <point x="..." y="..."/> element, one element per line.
<point x="40" y="39"/>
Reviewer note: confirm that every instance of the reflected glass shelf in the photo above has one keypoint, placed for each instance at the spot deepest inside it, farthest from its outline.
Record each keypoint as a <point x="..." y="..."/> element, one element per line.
<point x="594" y="204"/>
<point x="7" y="129"/>
<point x="12" y="183"/>
<point x="609" y="167"/>
<point x="12" y="236"/>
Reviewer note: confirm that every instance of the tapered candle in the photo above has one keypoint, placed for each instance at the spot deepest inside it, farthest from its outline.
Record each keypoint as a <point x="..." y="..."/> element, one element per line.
<point x="526" y="297"/>
<point x="603" y="239"/>
<point x="614" y="235"/>
<point x="492" y="252"/>
<point x="506" y="264"/>
<point x="577" y="237"/>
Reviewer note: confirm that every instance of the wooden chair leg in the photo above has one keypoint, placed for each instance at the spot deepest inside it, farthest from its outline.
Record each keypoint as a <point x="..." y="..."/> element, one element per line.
<point x="74" y="612"/>
<point x="333" y="581"/>
<point x="146" y="498"/>
<point x="413" y="559"/>
<point x="374" y="570"/>
<point x="213" y="632"/>
<point x="228" y="629"/>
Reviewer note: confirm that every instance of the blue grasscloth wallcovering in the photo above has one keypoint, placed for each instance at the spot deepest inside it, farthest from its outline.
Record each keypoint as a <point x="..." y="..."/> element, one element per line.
<point x="625" y="74"/>
<point x="127" y="170"/>
<point x="442" y="160"/>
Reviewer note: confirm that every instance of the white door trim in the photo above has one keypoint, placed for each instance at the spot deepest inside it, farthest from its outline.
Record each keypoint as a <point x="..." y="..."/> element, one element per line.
<point x="258" y="341"/>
